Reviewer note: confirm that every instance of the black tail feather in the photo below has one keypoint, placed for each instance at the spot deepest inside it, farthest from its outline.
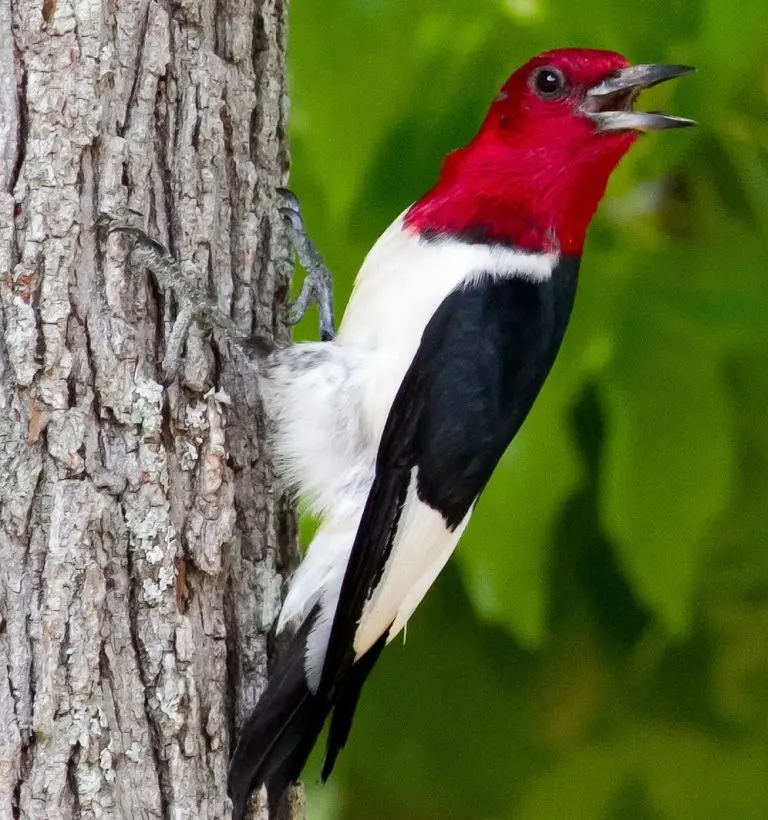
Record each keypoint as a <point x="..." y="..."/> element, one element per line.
<point x="277" y="738"/>
<point x="346" y="702"/>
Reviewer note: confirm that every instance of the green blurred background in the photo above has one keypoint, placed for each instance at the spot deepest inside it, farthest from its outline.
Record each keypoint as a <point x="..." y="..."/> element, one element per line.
<point x="598" y="647"/>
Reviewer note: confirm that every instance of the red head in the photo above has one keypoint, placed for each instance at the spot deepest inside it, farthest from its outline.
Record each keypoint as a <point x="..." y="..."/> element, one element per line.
<point x="536" y="171"/>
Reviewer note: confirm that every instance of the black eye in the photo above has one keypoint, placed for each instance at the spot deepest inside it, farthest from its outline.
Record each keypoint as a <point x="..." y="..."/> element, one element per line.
<point x="549" y="83"/>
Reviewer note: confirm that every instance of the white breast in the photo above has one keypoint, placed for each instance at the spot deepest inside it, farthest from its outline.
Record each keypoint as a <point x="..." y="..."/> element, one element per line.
<point x="401" y="283"/>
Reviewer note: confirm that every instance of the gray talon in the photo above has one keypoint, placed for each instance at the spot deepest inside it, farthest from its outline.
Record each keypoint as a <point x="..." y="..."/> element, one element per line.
<point x="291" y="218"/>
<point x="141" y="237"/>
<point x="317" y="286"/>
<point x="289" y="198"/>
<point x="184" y="282"/>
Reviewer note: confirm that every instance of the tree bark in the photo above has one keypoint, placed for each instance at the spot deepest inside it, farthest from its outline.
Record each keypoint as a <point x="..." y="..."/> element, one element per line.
<point x="142" y="538"/>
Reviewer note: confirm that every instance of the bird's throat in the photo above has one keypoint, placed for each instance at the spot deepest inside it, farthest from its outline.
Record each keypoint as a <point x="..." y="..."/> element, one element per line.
<point x="513" y="195"/>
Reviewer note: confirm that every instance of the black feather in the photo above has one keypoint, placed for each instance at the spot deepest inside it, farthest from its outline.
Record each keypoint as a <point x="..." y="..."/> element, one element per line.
<point x="488" y="350"/>
<point x="277" y="738"/>
<point x="346" y="702"/>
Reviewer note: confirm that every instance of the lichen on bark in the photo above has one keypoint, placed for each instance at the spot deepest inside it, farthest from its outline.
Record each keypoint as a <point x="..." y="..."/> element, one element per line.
<point x="143" y="541"/>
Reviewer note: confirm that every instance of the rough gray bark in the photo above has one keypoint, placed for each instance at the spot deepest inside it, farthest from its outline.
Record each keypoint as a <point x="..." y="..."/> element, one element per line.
<point x="142" y="540"/>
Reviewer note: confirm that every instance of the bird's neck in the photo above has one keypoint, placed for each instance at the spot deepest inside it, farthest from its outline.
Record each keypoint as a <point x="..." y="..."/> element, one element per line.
<point x="514" y="194"/>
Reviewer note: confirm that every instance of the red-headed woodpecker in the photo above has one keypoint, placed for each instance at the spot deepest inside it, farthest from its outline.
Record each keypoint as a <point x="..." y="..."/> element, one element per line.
<point x="392" y="429"/>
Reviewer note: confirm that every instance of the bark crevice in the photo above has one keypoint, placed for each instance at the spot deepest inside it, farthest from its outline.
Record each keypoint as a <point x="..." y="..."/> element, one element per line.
<point x="142" y="534"/>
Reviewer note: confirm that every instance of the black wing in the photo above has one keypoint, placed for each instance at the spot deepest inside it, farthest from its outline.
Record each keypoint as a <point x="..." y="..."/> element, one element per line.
<point x="482" y="360"/>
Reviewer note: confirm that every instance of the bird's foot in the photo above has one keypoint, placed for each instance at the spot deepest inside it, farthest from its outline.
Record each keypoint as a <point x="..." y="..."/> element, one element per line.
<point x="317" y="286"/>
<point x="184" y="282"/>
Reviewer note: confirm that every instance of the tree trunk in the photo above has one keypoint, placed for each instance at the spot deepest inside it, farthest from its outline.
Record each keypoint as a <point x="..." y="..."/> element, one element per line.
<point x="142" y="540"/>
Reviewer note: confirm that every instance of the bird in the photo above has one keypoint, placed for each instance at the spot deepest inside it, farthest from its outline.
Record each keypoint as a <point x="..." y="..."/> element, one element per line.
<point x="391" y="428"/>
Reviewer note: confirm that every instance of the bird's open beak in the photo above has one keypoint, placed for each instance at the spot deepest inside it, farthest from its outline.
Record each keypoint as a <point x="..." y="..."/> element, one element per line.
<point x="610" y="104"/>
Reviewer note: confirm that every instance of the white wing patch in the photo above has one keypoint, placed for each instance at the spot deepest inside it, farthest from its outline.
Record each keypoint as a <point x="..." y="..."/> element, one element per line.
<point x="422" y="547"/>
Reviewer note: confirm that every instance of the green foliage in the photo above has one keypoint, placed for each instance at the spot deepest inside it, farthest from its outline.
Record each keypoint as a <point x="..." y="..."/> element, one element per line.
<point x="598" y="648"/>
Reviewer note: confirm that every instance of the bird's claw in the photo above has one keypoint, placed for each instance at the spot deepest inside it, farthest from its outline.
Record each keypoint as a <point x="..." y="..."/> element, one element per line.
<point x="291" y="218"/>
<point x="183" y="282"/>
<point x="290" y="211"/>
<point x="290" y="200"/>
<point x="137" y="234"/>
<point x="317" y="286"/>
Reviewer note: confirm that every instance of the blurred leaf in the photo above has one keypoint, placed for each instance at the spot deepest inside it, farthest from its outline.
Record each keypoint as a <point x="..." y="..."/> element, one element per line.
<point x="580" y="789"/>
<point x="504" y="554"/>
<point x="678" y="774"/>
<point x="668" y="458"/>
<point x="652" y="491"/>
<point x="727" y="48"/>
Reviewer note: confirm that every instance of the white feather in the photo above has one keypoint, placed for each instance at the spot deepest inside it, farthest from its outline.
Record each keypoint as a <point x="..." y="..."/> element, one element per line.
<point x="313" y="394"/>
<point x="329" y="402"/>
<point x="422" y="546"/>
<point x="332" y="545"/>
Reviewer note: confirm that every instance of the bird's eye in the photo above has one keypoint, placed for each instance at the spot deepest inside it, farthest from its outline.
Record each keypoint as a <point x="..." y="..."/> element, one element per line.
<point x="549" y="83"/>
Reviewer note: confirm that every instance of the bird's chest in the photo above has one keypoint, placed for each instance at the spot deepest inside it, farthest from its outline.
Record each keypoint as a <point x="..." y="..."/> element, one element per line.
<point x="492" y="292"/>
